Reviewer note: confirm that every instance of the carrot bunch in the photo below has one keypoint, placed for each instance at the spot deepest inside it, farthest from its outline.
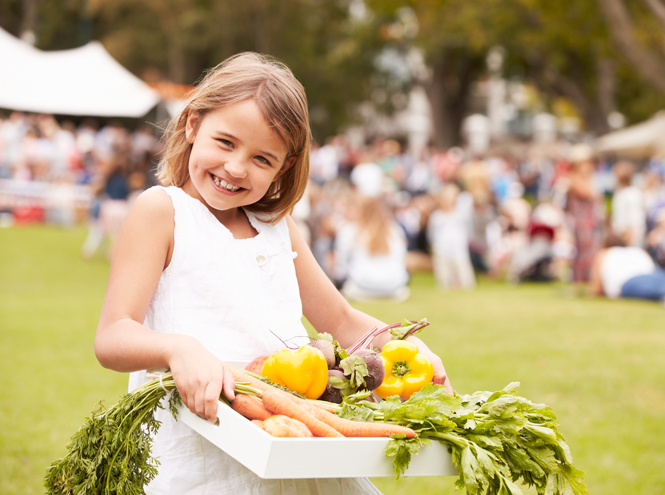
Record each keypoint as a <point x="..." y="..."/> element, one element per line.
<point x="319" y="418"/>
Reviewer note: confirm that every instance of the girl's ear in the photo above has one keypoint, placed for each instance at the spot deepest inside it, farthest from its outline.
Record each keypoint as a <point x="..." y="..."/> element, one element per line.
<point x="288" y="163"/>
<point x="192" y="125"/>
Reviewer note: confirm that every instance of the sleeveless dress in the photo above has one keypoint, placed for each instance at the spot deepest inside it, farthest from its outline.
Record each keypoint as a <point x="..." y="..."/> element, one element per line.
<point x="238" y="297"/>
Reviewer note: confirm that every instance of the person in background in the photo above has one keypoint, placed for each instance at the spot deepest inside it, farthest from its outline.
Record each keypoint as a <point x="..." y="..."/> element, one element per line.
<point x="628" y="212"/>
<point x="370" y="254"/>
<point x="448" y="234"/>
<point x="113" y="189"/>
<point x="626" y="271"/>
<point x="367" y="176"/>
<point x="656" y="239"/>
<point x="324" y="163"/>
<point x="583" y="205"/>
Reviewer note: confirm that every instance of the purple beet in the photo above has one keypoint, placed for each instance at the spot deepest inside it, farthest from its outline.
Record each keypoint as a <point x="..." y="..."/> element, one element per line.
<point x="333" y="394"/>
<point x="374" y="367"/>
<point x="327" y="349"/>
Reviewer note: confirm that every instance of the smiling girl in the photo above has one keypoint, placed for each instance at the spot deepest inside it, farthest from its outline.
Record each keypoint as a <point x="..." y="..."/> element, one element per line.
<point x="211" y="268"/>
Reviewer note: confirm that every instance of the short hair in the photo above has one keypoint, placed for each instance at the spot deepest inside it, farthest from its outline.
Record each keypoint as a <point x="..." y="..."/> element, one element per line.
<point x="282" y="101"/>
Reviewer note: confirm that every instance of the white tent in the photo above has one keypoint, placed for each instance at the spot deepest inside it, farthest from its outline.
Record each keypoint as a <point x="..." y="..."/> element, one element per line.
<point x="639" y="141"/>
<point x="81" y="81"/>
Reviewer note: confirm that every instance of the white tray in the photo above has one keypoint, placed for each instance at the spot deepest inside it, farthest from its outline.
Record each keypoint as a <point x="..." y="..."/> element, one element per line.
<point x="270" y="457"/>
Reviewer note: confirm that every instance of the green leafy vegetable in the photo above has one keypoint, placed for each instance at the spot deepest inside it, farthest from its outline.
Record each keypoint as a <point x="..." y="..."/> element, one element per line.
<point x="355" y="368"/>
<point x="495" y="439"/>
<point x="111" y="452"/>
<point x="408" y="328"/>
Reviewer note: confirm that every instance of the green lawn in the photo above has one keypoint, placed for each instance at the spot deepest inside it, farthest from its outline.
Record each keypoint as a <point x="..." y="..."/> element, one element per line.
<point x="600" y="364"/>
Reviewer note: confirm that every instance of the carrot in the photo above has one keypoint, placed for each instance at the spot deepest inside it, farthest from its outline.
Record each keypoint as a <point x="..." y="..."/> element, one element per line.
<point x="250" y="407"/>
<point x="278" y="404"/>
<point x="240" y="376"/>
<point x="350" y="428"/>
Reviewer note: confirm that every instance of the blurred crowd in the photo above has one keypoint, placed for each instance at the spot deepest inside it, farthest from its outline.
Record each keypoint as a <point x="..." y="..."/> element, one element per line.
<point x="538" y="213"/>
<point x="375" y="213"/>
<point x="113" y="163"/>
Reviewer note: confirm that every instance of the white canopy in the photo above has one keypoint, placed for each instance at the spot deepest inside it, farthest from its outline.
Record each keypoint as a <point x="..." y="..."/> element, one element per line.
<point x="81" y="81"/>
<point x="641" y="140"/>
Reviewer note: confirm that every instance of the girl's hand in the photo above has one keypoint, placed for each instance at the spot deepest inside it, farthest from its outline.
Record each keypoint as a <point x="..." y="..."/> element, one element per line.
<point x="440" y="376"/>
<point x="199" y="376"/>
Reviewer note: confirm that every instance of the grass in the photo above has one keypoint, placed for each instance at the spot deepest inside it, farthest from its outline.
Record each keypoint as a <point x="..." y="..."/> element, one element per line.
<point x="597" y="363"/>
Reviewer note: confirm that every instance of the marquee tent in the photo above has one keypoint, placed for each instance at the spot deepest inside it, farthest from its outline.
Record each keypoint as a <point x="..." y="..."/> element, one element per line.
<point x="639" y="141"/>
<point x="81" y="81"/>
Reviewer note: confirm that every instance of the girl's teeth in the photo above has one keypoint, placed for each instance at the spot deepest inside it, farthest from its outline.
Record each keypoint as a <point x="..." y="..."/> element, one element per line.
<point x="224" y="184"/>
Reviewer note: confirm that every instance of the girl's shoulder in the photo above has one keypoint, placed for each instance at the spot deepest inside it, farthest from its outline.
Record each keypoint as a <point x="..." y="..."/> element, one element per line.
<point x="153" y="204"/>
<point x="152" y="214"/>
<point x="148" y="230"/>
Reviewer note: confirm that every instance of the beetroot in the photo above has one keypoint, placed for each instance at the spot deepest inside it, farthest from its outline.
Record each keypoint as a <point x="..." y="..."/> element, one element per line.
<point x="376" y="371"/>
<point x="334" y="393"/>
<point x="327" y="348"/>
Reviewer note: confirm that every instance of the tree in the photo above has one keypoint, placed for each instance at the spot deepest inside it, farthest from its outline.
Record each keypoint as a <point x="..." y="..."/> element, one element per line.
<point x="645" y="60"/>
<point x="564" y="48"/>
<point x="317" y="39"/>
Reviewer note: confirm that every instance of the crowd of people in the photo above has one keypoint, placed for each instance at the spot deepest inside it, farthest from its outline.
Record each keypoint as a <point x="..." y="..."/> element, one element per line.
<point x="114" y="163"/>
<point x="538" y="213"/>
<point x="375" y="213"/>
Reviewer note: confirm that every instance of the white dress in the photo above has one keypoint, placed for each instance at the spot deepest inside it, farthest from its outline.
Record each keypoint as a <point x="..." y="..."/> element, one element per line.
<point x="381" y="275"/>
<point x="232" y="295"/>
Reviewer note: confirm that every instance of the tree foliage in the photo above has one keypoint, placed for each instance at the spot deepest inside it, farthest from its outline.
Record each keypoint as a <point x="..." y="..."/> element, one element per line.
<point x="602" y="56"/>
<point x="565" y="48"/>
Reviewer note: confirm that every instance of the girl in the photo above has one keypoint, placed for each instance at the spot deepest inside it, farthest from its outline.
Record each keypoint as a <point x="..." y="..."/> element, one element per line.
<point x="212" y="269"/>
<point x="370" y="254"/>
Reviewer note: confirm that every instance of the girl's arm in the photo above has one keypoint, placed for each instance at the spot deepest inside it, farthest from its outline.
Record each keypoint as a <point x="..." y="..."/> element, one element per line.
<point x="328" y="311"/>
<point x="142" y="252"/>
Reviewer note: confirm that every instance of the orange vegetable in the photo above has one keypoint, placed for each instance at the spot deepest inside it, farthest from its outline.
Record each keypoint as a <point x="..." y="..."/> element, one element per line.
<point x="250" y="407"/>
<point x="278" y="404"/>
<point x="256" y="366"/>
<point x="350" y="428"/>
<point x="241" y="376"/>
<point x="283" y="426"/>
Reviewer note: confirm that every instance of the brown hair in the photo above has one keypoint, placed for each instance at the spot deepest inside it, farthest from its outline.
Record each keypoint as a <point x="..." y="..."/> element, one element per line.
<point x="374" y="225"/>
<point x="613" y="240"/>
<point x="624" y="170"/>
<point x="282" y="101"/>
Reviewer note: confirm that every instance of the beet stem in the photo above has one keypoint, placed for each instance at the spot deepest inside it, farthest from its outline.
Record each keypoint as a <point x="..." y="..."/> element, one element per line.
<point x="365" y="341"/>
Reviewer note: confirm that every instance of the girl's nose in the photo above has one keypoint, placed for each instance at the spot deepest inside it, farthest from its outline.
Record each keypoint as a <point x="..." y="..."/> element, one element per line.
<point x="236" y="168"/>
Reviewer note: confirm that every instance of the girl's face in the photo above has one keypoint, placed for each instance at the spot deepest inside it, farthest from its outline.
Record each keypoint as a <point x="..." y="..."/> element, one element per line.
<point x="235" y="156"/>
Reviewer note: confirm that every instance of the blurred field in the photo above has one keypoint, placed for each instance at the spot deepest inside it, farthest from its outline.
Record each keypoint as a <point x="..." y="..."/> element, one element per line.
<point x="598" y="363"/>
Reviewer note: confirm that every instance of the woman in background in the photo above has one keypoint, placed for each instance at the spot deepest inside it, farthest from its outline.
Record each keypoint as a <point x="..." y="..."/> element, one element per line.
<point x="448" y="233"/>
<point x="629" y="218"/>
<point x="370" y="254"/>
<point x="583" y="206"/>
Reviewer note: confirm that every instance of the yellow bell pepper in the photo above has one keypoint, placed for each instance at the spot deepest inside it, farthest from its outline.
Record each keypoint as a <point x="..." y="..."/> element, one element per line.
<point x="407" y="371"/>
<point x="304" y="371"/>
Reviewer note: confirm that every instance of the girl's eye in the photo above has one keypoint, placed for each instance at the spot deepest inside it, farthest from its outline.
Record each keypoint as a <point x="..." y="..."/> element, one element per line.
<point x="226" y="142"/>
<point x="262" y="159"/>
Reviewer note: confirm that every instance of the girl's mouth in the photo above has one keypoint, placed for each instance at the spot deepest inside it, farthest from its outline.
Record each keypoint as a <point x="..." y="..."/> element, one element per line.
<point x="222" y="184"/>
